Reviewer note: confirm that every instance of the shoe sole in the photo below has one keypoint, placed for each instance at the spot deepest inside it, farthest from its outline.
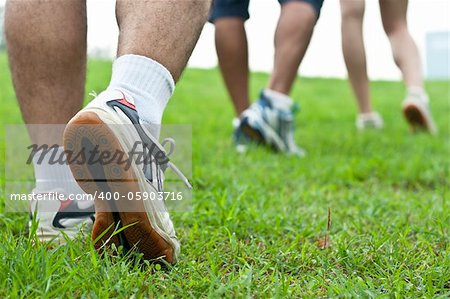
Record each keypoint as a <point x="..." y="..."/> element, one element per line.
<point x="415" y="118"/>
<point x="84" y="132"/>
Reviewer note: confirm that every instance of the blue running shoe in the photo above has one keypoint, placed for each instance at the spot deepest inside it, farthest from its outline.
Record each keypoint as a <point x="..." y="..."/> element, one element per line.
<point x="264" y="124"/>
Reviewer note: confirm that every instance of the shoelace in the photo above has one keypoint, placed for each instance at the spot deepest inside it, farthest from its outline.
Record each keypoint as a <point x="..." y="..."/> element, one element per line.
<point x="173" y="166"/>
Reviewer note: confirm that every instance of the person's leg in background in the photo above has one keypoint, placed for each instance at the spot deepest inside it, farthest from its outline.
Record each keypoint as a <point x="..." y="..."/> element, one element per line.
<point x="352" y="12"/>
<point x="156" y="40"/>
<point x="232" y="49"/>
<point x="406" y="56"/>
<point x="48" y="67"/>
<point x="293" y="34"/>
<point x="405" y="52"/>
<point x="292" y="37"/>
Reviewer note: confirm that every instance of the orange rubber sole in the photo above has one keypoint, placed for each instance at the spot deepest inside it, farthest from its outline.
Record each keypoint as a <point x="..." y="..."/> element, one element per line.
<point x="415" y="118"/>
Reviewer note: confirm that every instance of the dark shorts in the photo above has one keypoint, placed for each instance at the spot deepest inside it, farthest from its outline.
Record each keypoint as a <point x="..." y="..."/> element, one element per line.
<point x="239" y="8"/>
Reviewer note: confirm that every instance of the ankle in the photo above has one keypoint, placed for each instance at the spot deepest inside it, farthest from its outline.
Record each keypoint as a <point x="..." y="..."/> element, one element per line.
<point x="148" y="82"/>
<point x="418" y="92"/>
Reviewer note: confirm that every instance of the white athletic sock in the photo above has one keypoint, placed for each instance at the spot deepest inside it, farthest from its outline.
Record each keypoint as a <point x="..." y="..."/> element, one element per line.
<point x="278" y="100"/>
<point x="418" y="91"/>
<point x="54" y="177"/>
<point x="148" y="82"/>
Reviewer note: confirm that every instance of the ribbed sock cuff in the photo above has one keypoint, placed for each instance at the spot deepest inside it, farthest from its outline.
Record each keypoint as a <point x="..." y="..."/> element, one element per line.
<point x="148" y="82"/>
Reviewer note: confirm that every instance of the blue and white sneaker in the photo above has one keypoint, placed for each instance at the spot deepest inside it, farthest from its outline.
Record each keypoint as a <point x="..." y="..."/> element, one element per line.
<point x="264" y="124"/>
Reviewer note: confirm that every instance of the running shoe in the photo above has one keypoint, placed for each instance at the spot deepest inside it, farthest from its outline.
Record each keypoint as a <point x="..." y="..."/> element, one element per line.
<point x="264" y="124"/>
<point x="110" y="124"/>
<point x="417" y="112"/>
<point x="371" y="120"/>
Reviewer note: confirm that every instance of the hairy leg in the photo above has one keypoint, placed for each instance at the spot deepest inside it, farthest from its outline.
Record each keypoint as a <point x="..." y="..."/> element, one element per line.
<point x="292" y="37"/>
<point x="404" y="49"/>
<point x="47" y="55"/>
<point x="155" y="42"/>
<point x="165" y="31"/>
<point x="232" y="51"/>
<point x="352" y="12"/>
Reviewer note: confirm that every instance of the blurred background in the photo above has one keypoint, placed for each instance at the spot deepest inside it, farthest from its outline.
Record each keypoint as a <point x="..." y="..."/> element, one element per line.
<point x="429" y="22"/>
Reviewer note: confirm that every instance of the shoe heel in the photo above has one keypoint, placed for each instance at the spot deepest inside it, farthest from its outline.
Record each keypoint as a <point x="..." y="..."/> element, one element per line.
<point x="85" y="133"/>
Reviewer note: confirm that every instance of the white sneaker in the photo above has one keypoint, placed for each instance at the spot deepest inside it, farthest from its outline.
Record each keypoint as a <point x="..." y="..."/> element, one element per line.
<point x="57" y="217"/>
<point x="417" y="112"/>
<point x="110" y="124"/>
<point x="371" y="120"/>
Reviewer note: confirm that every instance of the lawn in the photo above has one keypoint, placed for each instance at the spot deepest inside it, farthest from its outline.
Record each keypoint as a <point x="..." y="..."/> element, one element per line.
<point x="258" y="220"/>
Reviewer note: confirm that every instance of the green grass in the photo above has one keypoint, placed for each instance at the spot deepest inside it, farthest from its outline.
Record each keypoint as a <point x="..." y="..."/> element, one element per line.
<point x="256" y="219"/>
